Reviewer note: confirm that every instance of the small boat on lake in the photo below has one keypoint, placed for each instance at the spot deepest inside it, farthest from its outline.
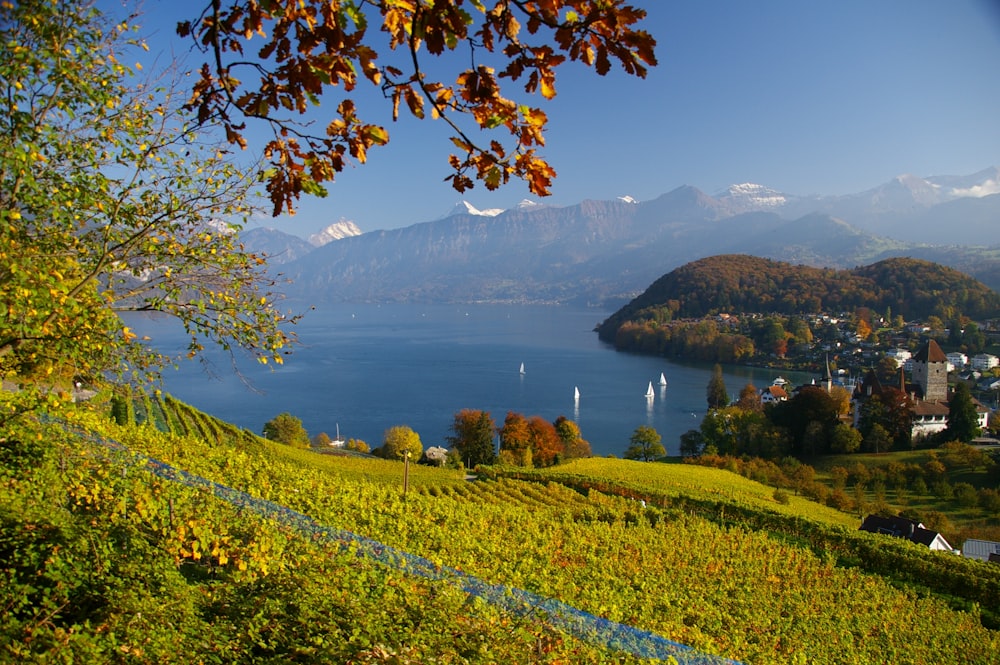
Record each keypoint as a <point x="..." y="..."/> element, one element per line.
<point x="576" y="393"/>
<point x="649" y="391"/>
<point x="521" y="371"/>
<point x="663" y="379"/>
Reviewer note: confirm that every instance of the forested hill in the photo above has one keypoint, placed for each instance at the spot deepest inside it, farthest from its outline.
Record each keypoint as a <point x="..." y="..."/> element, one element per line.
<point x="739" y="284"/>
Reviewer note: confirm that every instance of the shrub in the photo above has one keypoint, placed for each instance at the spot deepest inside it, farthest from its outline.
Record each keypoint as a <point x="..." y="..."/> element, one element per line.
<point x="838" y="499"/>
<point x="839" y="476"/>
<point x="989" y="499"/>
<point x="942" y="489"/>
<point x="965" y="494"/>
<point x="357" y="445"/>
<point x="816" y="491"/>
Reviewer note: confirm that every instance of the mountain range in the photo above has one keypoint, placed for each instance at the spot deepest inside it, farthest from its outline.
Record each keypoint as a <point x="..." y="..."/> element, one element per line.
<point x="605" y="252"/>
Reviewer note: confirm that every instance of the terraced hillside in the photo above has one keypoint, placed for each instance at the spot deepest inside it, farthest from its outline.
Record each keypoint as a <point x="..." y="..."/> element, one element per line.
<point x="111" y="556"/>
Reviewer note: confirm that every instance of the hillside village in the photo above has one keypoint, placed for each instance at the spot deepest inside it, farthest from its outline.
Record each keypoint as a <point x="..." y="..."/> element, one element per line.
<point x="919" y="384"/>
<point x="851" y="348"/>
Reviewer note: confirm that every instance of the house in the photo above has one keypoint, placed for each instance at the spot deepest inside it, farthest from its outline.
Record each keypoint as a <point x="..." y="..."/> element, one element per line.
<point x="929" y="418"/>
<point x="970" y="376"/>
<point x="985" y="361"/>
<point x="984" y="550"/>
<point x="957" y="359"/>
<point x="899" y="355"/>
<point x="900" y="527"/>
<point x="773" y="394"/>
<point x="989" y="384"/>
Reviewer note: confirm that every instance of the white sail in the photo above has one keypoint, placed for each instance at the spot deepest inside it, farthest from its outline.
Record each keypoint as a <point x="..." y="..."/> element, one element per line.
<point x="338" y="442"/>
<point x="522" y="368"/>
<point x="663" y="379"/>
<point x="576" y="393"/>
<point x="649" y="390"/>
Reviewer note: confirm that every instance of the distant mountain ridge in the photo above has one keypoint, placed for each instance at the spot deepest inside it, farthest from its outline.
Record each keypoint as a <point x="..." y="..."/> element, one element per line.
<point x="605" y="252"/>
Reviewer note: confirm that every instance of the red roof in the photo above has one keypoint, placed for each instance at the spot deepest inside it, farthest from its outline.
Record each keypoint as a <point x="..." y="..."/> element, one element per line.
<point x="930" y="353"/>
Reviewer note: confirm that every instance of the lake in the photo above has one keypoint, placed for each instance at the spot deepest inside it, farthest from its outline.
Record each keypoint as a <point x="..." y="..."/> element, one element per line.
<point x="369" y="367"/>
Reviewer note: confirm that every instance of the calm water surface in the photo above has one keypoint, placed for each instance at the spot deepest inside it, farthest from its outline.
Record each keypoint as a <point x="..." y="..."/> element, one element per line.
<point x="369" y="367"/>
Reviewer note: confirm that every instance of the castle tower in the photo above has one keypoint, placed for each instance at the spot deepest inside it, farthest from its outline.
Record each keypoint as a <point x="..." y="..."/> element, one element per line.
<point x="930" y="372"/>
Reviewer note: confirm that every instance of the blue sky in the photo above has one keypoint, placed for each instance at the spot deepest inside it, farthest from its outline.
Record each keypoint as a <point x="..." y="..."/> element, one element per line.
<point x="804" y="97"/>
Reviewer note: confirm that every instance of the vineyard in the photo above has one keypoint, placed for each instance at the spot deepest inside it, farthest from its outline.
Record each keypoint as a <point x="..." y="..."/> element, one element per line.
<point x="106" y="561"/>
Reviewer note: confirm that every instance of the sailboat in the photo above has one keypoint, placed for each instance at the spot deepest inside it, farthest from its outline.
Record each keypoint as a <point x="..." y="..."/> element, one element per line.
<point x="338" y="442"/>
<point x="649" y="391"/>
<point x="576" y="393"/>
<point x="522" y="368"/>
<point x="663" y="379"/>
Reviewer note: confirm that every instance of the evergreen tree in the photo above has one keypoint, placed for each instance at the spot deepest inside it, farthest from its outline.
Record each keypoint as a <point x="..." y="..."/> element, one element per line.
<point x="716" y="393"/>
<point x="963" y="420"/>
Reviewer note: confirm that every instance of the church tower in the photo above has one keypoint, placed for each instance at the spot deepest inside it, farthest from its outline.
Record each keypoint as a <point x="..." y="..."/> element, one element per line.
<point x="930" y="372"/>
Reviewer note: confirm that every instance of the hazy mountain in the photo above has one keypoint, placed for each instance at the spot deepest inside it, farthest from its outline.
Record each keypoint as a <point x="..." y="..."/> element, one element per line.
<point x="345" y="228"/>
<point x="607" y="251"/>
<point x="277" y="246"/>
<point x="937" y="209"/>
<point x="594" y="252"/>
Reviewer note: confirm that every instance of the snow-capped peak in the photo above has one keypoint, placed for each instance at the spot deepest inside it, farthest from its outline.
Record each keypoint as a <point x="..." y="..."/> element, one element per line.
<point x="344" y="228"/>
<point x="627" y="199"/>
<point x="221" y="227"/>
<point x="466" y="208"/>
<point x="748" y="196"/>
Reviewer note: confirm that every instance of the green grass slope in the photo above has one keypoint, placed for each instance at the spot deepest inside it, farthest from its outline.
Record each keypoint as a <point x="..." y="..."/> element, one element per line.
<point x="105" y="562"/>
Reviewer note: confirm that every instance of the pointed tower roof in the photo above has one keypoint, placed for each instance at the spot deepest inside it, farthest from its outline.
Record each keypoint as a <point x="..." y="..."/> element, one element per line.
<point x="870" y="385"/>
<point x="930" y="353"/>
